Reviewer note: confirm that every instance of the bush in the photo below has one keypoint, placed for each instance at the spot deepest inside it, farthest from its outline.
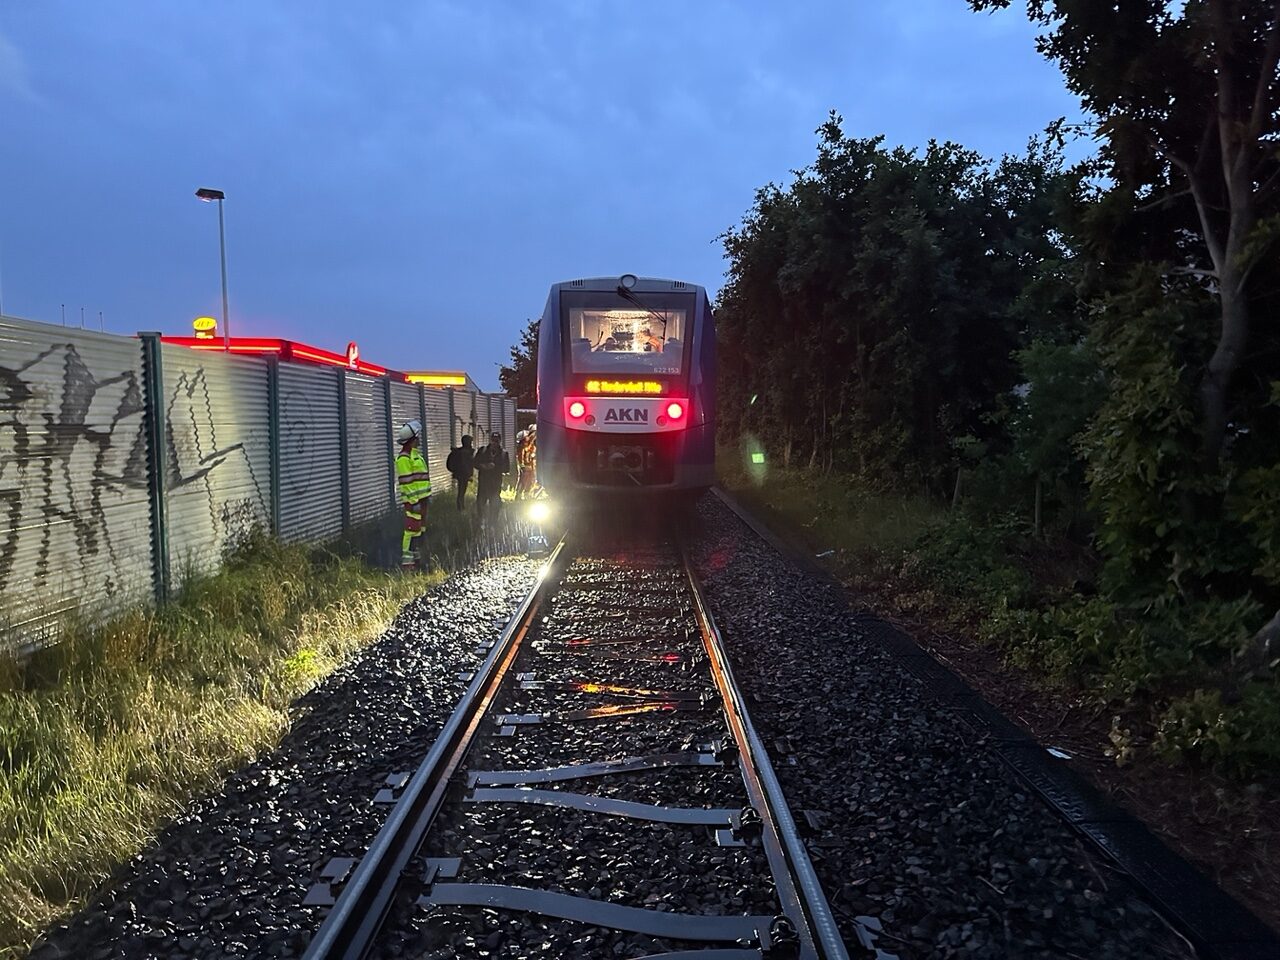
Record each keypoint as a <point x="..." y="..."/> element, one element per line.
<point x="970" y="562"/>
<point x="1241" y="738"/>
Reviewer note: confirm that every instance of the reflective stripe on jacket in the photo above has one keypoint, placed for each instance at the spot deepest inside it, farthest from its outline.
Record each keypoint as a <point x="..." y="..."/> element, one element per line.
<point x="411" y="476"/>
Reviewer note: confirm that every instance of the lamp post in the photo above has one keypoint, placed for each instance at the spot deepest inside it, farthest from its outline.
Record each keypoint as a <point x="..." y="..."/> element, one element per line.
<point x="208" y="195"/>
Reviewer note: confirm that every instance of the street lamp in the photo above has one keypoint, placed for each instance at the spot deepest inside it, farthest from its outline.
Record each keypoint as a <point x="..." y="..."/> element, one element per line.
<point x="208" y="195"/>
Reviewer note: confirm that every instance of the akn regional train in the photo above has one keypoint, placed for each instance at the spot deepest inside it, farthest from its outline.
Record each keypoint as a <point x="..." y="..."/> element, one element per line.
<point x="626" y="387"/>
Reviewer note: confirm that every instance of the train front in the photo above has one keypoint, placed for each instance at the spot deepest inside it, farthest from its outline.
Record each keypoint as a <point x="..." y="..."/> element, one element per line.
<point x="626" y="387"/>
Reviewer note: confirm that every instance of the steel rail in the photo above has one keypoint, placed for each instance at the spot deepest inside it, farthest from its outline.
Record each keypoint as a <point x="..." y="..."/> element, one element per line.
<point x="799" y="891"/>
<point x="348" y="932"/>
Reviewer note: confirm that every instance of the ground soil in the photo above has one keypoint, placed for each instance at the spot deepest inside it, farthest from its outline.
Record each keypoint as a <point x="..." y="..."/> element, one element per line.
<point x="1230" y="830"/>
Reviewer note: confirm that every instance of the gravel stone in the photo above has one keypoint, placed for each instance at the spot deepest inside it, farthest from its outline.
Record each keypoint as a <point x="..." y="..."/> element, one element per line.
<point x="628" y="598"/>
<point x="923" y="829"/>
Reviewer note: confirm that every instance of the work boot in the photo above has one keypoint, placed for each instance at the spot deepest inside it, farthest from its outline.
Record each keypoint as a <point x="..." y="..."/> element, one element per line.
<point x="408" y="562"/>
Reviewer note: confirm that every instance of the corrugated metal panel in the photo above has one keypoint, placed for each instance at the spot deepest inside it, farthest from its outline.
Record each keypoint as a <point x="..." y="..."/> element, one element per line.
<point x="472" y="415"/>
<point x="75" y="519"/>
<point x="310" y="460"/>
<point x="404" y="404"/>
<point x="509" y="423"/>
<point x="404" y="407"/>
<point x="217" y="457"/>
<point x="370" y="454"/>
<point x="438" y="445"/>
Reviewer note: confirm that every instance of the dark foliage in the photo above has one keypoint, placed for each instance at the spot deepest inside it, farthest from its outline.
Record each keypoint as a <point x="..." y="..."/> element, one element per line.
<point x="1094" y="344"/>
<point x="519" y="378"/>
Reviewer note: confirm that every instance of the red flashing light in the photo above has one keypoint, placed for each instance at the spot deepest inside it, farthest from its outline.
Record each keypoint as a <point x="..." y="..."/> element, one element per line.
<point x="257" y="345"/>
<point x="675" y="410"/>
<point x="285" y="350"/>
<point x="577" y="409"/>
<point x="316" y="355"/>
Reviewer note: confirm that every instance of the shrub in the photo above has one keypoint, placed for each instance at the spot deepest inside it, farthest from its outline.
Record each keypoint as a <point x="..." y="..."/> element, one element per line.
<point x="969" y="560"/>
<point x="1241" y="738"/>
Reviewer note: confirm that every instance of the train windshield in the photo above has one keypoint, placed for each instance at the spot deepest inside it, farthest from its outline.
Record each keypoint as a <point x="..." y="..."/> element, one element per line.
<point x="607" y="334"/>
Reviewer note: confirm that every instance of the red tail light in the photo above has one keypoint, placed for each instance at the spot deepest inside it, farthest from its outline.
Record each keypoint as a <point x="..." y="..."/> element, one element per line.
<point x="675" y="410"/>
<point x="577" y="409"/>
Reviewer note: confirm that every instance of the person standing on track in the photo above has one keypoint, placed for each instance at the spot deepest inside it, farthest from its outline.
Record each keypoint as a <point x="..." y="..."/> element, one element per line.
<point x="492" y="463"/>
<point x="461" y="463"/>
<point x="414" y="486"/>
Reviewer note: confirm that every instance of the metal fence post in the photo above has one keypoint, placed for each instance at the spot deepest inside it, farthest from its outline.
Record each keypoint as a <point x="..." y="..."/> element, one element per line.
<point x="391" y="442"/>
<point x="273" y="438"/>
<point x="157" y="462"/>
<point x="453" y="421"/>
<point x="422" y="419"/>
<point x="343" y="458"/>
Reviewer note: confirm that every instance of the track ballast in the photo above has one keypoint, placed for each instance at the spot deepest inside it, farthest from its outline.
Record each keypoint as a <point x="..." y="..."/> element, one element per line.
<point x="599" y="792"/>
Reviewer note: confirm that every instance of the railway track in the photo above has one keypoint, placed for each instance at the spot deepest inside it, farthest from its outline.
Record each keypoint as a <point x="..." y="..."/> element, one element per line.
<point x="599" y="791"/>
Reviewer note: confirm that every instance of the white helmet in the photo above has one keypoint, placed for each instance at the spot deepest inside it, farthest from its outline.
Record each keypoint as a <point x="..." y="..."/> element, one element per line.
<point x="409" y="431"/>
<point x="520" y="435"/>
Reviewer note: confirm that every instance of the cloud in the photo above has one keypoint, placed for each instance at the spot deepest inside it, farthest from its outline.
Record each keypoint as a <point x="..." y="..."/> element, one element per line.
<point x="13" y="72"/>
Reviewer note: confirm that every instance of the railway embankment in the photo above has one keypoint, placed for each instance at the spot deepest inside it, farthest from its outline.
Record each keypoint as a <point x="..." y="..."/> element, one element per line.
<point x="228" y="873"/>
<point x="912" y="819"/>
<point x="109" y="737"/>
<point x="1007" y="613"/>
<point x="925" y="814"/>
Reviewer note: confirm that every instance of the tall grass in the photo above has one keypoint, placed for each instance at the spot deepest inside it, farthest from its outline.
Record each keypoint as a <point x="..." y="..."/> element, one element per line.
<point x="108" y="734"/>
<point x="832" y="511"/>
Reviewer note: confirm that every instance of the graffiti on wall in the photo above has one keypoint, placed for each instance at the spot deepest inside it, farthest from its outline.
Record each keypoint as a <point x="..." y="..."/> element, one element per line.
<point x="193" y="452"/>
<point x="74" y="445"/>
<point x="74" y="502"/>
<point x="297" y="420"/>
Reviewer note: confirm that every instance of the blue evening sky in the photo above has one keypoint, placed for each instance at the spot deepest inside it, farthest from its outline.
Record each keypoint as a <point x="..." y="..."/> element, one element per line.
<point x="413" y="175"/>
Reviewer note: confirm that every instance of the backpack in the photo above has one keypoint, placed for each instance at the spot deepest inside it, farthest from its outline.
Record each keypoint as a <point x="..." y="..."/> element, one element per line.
<point x="451" y="461"/>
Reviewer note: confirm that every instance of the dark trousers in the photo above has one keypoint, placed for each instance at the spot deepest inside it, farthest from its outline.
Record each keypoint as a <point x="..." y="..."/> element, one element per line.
<point x="461" y="483"/>
<point x="484" y="497"/>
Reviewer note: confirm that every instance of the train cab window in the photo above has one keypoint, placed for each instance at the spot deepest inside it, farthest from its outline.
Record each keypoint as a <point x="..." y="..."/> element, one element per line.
<point x="625" y="339"/>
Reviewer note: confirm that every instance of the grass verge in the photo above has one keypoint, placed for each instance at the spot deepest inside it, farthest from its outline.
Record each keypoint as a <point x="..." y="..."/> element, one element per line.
<point x="106" y="736"/>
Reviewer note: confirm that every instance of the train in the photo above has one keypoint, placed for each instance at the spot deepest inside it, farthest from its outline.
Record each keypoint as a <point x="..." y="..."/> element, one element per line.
<point x="626" y="388"/>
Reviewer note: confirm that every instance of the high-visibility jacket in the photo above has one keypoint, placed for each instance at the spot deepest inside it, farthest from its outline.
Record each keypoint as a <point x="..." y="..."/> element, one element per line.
<point x="411" y="476"/>
<point x="527" y="455"/>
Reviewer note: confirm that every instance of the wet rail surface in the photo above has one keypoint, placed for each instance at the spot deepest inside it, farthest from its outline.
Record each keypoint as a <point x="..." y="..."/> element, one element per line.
<point x="599" y="792"/>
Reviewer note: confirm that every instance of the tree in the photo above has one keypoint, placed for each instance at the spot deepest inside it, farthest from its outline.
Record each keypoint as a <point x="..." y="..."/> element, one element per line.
<point x="873" y="306"/>
<point x="1189" y="112"/>
<point x="520" y="378"/>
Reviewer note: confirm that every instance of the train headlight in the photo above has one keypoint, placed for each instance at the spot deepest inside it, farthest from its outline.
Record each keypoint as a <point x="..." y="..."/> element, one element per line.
<point x="627" y="281"/>
<point x="539" y="512"/>
<point x="577" y="409"/>
<point x="675" y="410"/>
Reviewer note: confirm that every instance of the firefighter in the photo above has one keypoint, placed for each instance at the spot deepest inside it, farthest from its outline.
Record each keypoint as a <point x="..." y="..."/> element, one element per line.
<point x="527" y="457"/>
<point x="522" y="446"/>
<point x="415" y="490"/>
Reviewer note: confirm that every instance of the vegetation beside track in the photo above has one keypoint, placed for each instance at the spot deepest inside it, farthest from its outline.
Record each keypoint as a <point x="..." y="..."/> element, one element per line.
<point x="1135" y="692"/>
<point x="1060" y="360"/>
<point x="106" y="736"/>
<point x="1160" y="670"/>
